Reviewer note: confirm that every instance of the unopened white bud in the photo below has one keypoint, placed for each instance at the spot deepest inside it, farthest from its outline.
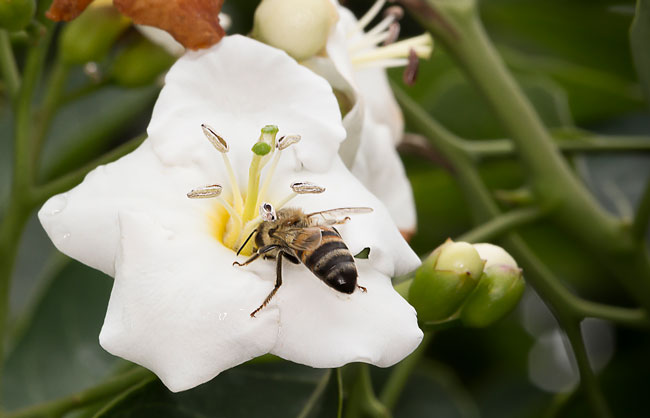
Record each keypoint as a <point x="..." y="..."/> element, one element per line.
<point x="299" y="27"/>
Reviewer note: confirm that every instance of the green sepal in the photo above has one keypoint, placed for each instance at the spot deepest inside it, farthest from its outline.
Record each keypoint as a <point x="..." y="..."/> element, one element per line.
<point x="436" y="295"/>
<point x="90" y="36"/>
<point x="16" y="14"/>
<point x="496" y="294"/>
<point x="140" y="63"/>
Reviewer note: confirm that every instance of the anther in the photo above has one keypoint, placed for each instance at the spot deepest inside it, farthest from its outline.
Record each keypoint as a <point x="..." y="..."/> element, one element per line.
<point x="411" y="70"/>
<point x="395" y="11"/>
<point x="393" y="33"/>
<point x="287" y="141"/>
<point x="305" y="187"/>
<point x="267" y="213"/>
<point x="217" y="141"/>
<point x="205" y="192"/>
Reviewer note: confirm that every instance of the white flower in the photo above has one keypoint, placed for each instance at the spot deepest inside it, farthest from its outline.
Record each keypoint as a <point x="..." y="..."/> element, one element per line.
<point x="355" y="65"/>
<point x="178" y="306"/>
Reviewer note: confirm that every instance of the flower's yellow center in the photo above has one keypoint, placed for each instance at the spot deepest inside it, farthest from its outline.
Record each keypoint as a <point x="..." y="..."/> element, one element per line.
<point x="236" y="215"/>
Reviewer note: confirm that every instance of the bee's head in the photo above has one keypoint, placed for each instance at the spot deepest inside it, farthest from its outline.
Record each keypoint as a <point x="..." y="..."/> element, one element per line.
<point x="267" y="212"/>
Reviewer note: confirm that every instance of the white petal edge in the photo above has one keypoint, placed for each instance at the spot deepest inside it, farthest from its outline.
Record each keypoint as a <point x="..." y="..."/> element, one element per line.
<point x="83" y="222"/>
<point x="179" y="308"/>
<point x="379" y="167"/>
<point x="218" y="86"/>
<point x="321" y="327"/>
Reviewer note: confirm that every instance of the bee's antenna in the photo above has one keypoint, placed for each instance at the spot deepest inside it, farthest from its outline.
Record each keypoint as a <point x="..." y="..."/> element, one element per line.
<point x="246" y="242"/>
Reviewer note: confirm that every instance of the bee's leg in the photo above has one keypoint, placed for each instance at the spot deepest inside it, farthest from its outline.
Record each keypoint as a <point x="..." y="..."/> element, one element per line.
<point x="278" y="283"/>
<point x="363" y="289"/>
<point x="259" y="252"/>
<point x="340" y="221"/>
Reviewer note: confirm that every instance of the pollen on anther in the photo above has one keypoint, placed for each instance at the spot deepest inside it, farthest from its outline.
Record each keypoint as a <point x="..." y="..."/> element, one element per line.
<point x="205" y="192"/>
<point x="215" y="139"/>
<point x="305" y="187"/>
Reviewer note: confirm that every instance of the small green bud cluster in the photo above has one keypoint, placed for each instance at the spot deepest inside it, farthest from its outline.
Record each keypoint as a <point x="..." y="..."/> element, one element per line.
<point x="97" y="36"/>
<point x="476" y="284"/>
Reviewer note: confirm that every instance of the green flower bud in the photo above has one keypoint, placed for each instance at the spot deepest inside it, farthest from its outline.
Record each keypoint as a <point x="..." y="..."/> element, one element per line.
<point x="299" y="27"/>
<point x="140" y="64"/>
<point x="444" y="280"/>
<point x="498" y="291"/>
<point x="16" y="14"/>
<point x="90" y="36"/>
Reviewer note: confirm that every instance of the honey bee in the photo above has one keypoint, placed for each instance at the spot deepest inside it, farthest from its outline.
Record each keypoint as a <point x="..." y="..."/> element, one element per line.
<point x="309" y="238"/>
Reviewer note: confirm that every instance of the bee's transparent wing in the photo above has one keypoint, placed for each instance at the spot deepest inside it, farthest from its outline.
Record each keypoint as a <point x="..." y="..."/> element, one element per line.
<point x="300" y="239"/>
<point x="333" y="216"/>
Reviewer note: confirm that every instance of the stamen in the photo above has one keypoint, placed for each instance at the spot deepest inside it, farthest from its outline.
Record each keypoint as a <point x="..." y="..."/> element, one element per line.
<point x="283" y="143"/>
<point x="217" y="141"/>
<point x="411" y="70"/>
<point x="395" y="11"/>
<point x="305" y="187"/>
<point x="221" y="145"/>
<point x="370" y="14"/>
<point x="231" y="211"/>
<point x="205" y="192"/>
<point x="393" y="33"/>
<point x="257" y="163"/>
<point x="287" y="141"/>
<point x="422" y="45"/>
<point x="302" y="187"/>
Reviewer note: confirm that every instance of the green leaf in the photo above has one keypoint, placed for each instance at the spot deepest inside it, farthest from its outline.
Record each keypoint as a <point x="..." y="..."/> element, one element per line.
<point x="640" y="43"/>
<point x="269" y="390"/>
<point x="59" y="352"/>
<point x="88" y="127"/>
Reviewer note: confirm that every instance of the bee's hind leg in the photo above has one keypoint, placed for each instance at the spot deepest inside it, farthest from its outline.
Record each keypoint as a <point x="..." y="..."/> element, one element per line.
<point x="278" y="283"/>
<point x="259" y="252"/>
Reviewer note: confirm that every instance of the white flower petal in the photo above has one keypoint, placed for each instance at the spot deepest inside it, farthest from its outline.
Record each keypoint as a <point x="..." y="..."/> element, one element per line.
<point x="379" y="167"/>
<point x="373" y="86"/>
<point x="216" y="86"/>
<point x="83" y="223"/>
<point x="321" y="327"/>
<point x="179" y="307"/>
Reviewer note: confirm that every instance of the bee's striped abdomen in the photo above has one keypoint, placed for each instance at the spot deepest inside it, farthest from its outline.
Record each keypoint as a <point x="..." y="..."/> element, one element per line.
<point x="332" y="262"/>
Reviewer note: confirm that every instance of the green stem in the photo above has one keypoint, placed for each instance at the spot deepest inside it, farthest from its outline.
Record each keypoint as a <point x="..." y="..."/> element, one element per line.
<point x="51" y="101"/>
<point x="20" y="199"/>
<point x="8" y="66"/>
<point x="339" y="389"/>
<point x="642" y="217"/>
<point x="102" y="391"/>
<point x="494" y="148"/>
<point x="636" y="318"/>
<point x="559" y="299"/>
<point x="588" y="381"/>
<point x="458" y="27"/>
<point x="399" y="376"/>
<point x="71" y="179"/>
<point x="363" y="402"/>
<point x="316" y="395"/>
<point x="501" y="224"/>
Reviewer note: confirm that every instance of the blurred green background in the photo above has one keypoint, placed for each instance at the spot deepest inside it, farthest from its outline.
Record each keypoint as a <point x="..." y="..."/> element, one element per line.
<point x="574" y="62"/>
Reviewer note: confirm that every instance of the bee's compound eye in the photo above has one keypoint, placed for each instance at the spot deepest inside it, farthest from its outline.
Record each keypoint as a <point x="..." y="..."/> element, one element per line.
<point x="267" y="212"/>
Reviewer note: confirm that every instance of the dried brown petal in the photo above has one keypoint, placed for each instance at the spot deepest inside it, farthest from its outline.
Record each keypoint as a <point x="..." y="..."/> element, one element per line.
<point x="66" y="9"/>
<point x="193" y="23"/>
